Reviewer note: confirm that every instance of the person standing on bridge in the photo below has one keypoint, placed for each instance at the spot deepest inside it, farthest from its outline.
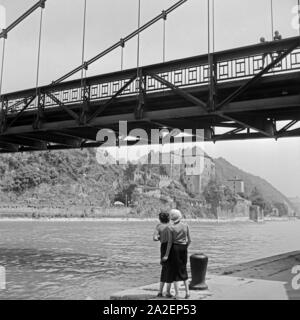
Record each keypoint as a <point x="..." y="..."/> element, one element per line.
<point x="278" y="37"/>
<point x="163" y="234"/>
<point x="265" y="55"/>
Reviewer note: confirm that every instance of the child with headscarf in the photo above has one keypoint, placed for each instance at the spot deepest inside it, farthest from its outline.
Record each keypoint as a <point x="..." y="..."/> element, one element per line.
<point x="179" y="253"/>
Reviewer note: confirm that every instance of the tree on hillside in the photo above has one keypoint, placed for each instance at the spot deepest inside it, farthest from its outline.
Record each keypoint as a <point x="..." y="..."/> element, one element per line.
<point x="129" y="172"/>
<point x="258" y="200"/>
<point x="229" y="198"/>
<point x="282" y="209"/>
<point x="213" y="195"/>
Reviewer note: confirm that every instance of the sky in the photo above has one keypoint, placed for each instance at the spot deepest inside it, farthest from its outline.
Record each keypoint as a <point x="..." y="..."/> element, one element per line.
<point x="237" y="23"/>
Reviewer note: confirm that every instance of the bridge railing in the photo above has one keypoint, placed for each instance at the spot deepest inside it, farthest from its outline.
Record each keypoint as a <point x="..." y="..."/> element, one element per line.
<point x="231" y="65"/>
<point x="248" y="66"/>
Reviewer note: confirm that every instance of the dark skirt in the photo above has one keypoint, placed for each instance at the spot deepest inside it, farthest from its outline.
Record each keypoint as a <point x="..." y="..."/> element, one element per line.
<point x="178" y="260"/>
<point x="166" y="273"/>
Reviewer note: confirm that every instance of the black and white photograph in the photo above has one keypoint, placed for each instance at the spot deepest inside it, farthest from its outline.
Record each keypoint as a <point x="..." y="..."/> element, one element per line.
<point x="150" y="151"/>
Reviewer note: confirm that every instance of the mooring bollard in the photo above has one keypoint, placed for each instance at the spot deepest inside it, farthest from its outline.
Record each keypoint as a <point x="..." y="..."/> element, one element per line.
<point x="199" y="263"/>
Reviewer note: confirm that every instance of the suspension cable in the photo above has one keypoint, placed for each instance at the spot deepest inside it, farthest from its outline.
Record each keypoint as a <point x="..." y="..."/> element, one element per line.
<point x="164" y="34"/>
<point x="299" y="15"/>
<point x="122" y="58"/>
<point x="272" y="20"/>
<point x="2" y="65"/>
<point x="116" y="45"/>
<point x="138" y="37"/>
<point x="208" y="28"/>
<point x="122" y="54"/>
<point x="83" y="71"/>
<point x="213" y="25"/>
<point x="210" y="57"/>
<point x="39" y="51"/>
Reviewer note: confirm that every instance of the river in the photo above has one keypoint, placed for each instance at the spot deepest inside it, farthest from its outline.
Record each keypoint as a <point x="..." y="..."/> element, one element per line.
<point x="92" y="259"/>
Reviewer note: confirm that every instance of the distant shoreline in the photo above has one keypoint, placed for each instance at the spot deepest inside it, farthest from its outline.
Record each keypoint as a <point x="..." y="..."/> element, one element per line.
<point x="86" y="214"/>
<point x="237" y="220"/>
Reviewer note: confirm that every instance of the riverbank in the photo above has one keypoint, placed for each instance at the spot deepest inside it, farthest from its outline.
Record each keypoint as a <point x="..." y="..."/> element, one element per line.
<point x="116" y="219"/>
<point x="269" y="278"/>
<point x="87" y="213"/>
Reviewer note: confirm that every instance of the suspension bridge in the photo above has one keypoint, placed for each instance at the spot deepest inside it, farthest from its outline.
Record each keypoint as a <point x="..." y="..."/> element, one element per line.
<point x="246" y="91"/>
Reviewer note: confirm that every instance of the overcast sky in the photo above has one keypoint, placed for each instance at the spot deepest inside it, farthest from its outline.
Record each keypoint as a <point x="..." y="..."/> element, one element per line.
<point x="238" y="23"/>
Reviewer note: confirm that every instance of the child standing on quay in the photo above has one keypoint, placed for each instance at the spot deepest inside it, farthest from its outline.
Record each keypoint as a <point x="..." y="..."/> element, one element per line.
<point x="163" y="234"/>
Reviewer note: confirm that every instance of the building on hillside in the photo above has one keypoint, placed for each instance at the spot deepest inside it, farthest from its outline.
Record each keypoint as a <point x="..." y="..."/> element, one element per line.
<point x="199" y="169"/>
<point x="196" y="166"/>
<point x="237" y="185"/>
<point x="172" y="163"/>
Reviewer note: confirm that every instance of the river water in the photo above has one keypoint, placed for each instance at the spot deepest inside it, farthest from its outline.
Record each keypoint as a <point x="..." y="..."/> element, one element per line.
<point x="92" y="259"/>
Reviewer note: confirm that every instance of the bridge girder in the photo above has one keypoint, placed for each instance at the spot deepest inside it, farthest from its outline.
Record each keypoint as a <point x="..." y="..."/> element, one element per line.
<point x="175" y="94"/>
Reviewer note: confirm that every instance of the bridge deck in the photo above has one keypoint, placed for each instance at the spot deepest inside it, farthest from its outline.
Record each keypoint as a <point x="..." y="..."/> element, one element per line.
<point x="173" y="95"/>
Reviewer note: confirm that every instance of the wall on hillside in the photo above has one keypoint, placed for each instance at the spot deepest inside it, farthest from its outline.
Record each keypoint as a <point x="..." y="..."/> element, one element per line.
<point x="240" y="210"/>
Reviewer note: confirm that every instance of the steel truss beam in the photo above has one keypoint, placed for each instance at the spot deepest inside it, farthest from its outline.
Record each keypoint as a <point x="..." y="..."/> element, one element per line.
<point x="291" y="133"/>
<point x="187" y="96"/>
<point x="260" y="125"/>
<point x="174" y="114"/>
<point x="161" y="126"/>
<point x="89" y="134"/>
<point x="288" y="126"/>
<point x="139" y="110"/>
<point x="63" y="106"/>
<point x="40" y="116"/>
<point x="9" y="147"/>
<point x="229" y="125"/>
<point x="23" y="101"/>
<point x="12" y="148"/>
<point x="232" y="132"/>
<point x="102" y="108"/>
<point x="86" y="102"/>
<point x="27" y="104"/>
<point x="3" y="116"/>
<point x="22" y="141"/>
<point x="55" y="138"/>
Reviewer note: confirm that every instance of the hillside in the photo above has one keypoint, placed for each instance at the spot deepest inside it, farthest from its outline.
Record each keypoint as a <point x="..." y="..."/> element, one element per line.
<point x="226" y="171"/>
<point x="74" y="177"/>
<point x="57" y="178"/>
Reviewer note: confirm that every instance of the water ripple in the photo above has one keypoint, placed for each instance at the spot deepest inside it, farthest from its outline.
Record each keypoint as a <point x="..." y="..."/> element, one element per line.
<point x="70" y="260"/>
